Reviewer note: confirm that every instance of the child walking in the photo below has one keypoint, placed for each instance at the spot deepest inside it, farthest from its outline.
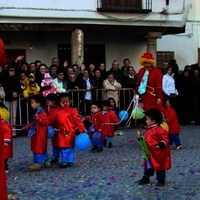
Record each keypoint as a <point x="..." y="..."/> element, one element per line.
<point x="66" y="120"/>
<point x="39" y="134"/>
<point x="171" y="118"/>
<point x="158" y="159"/>
<point x="52" y="106"/>
<point x="109" y="119"/>
<point x="94" y="130"/>
<point x="3" y="188"/>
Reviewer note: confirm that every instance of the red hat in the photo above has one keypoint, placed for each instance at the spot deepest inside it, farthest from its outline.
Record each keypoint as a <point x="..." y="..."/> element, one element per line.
<point x="147" y="57"/>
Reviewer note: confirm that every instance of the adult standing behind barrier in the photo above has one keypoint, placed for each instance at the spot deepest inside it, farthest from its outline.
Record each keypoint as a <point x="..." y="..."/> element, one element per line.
<point x="12" y="87"/>
<point x="73" y="85"/>
<point x="149" y="82"/>
<point x="85" y="83"/>
<point x="111" y="85"/>
<point x="117" y="73"/>
<point x="169" y="86"/>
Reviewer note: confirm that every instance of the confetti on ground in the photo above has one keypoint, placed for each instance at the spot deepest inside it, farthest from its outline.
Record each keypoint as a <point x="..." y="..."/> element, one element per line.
<point x="111" y="174"/>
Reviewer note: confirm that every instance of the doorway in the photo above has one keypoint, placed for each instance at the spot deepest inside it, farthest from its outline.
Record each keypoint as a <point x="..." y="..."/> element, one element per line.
<point x="93" y="53"/>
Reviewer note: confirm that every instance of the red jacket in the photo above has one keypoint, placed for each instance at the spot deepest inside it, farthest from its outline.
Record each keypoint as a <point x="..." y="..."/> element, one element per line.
<point x="66" y="121"/>
<point x="160" y="158"/>
<point x="108" y="121"/>
<point x="154" y="87"/>
<point x="3" y="186"/>
<point x="96" y="120"/>
<point x="8" y="138"/>
<point x="50" y="115"/>
<point x="39" y="140"/>
<point x="172" y="120"/>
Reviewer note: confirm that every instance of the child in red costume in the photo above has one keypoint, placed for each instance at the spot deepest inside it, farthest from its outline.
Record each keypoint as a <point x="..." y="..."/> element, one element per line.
<point x="171" y="118"/>
<point x="158" y="148"/>
<point x="39" y="134"/>
<point x="109" y="120"/>
<point x="51" y="101"/>
<point x="94" y="130"/>
<point x="66" y="120"/>
<point x="6" y="129"/>
<point x="3" y="186"/>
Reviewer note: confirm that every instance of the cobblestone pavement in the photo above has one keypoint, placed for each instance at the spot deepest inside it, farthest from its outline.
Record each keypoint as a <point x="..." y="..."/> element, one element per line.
<point x="109" y="175"/>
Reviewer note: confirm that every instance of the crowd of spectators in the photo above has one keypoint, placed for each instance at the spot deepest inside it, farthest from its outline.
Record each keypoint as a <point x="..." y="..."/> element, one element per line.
<point x="25" y="79"/>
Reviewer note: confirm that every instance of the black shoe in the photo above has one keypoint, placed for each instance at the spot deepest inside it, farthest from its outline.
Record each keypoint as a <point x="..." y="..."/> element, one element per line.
<point x="66" y="165"/>
<point x="99" y="149"/>
<point x="94" y="148"/>
<point x="105" y="143"/>
<point x="160" y="183"/>
<point x="144" y="180"/>
<point x="63" y="165"/>
<point x="110" y="145"/>
<point x="70" y="164"/>
<point x="54" y="161"/>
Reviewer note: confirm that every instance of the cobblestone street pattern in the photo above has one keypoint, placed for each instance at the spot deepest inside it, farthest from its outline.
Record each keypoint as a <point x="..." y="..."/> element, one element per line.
<point x="109" y="175"/>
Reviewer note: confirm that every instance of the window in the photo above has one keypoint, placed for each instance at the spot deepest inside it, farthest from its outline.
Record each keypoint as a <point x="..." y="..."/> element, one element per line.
<point x="162" y="56"/>
<point x="124" y="6"/>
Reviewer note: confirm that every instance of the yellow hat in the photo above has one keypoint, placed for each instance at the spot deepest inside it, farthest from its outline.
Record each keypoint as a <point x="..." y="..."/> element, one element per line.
<point x="147" y="57"/>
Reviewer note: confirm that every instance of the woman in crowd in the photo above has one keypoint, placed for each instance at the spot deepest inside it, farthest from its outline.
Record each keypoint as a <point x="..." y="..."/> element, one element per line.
<point x="111" y="86"/>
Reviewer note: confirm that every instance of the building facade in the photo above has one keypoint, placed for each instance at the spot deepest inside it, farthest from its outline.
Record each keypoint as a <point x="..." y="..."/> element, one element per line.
<point x="186" y="46"/>
<point x="92" y="31"/>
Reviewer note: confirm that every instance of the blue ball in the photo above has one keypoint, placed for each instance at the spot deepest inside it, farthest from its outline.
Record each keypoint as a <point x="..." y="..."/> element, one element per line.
<point x="123" y="115"/>
<point x="51" y="131"/>
<point x="82" y="141"/>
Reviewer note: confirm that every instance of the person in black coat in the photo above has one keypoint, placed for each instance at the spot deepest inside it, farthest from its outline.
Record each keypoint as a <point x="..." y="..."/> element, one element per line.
<point x="86" y="97"/>
<point x="12" y="88"/>
<point x="73" y="85"/>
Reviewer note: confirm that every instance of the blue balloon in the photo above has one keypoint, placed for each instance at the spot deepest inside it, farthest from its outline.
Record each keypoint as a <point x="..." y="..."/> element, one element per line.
<point x="82" y="141"/>
<point x="51" y="131"/>
<point x="97" y="139"/>
<point x="123" y="115"/>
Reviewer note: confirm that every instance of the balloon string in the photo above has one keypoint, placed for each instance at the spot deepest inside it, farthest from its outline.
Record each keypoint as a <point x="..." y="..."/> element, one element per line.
<point x="133" y="100"/>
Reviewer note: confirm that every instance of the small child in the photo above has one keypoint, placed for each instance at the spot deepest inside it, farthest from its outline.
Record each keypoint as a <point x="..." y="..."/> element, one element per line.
<point x="7" y="132"/>
<point x="109" y="120"/>
<point x="94" y="130"/>
<point x="47" y="85"/>
<point x="173" y="123"/>
<point x="31" y="87"/>
<point x="3" y="188"/>
<point x="113" y="105"/>
<point x="66" y="120"/>
<point x="51" y="101"/>
<point x="157" y="143"/>
<point x="39" y="134"/>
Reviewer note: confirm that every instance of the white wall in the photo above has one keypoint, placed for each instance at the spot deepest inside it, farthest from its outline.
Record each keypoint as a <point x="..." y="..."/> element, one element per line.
<point x="79" y="11"/>
<point x="185" y="45"/>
